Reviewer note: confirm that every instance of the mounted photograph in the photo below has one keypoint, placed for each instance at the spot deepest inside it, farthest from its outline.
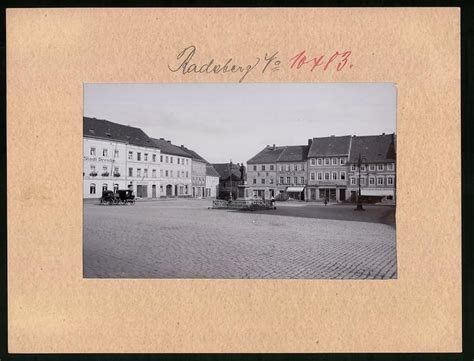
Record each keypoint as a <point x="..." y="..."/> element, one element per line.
<point x="240" y="181"/>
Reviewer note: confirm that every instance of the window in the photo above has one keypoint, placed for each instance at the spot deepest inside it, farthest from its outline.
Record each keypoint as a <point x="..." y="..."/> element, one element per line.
<point x="92" y="150"/>
<point x="254" y="167"/>
<point x="104" y="171"/>
<point x="130" y="172"/>
<point x="145" y="173"/>
<point x="92" y="168"/>
<point x="342" y="175"/>
<point x="380" y="167"/>
<point x="390" y="181"/>
<point x="353" y="181"/>
<point x="342" y="161"/>
<point x="296" y="180"/>
<point x="313" y="176"/>
<point x="105" y="152"/>
<point x="145" y="157"/>
<point x="178" y="160"/>
<point x="272" y="167"/>
<point x="372" y="167"/>
<point x="334" y="161"/>
<point x="139" y="156"/>
<point x="320" y="161"/>
<point x="153" y="158"/>
<point x="297" y="167"/>
<point x="254" y="181"/>
<point x="153" y="173"/>
<point x="271" y="180"/>
<point x="263" y="167"/>
<point x="139" y="172"/>
<point x="130" y="155"/>
<point x="334" y="175"/>
<point x="263" y="180"/>
<point x="313" y="161"/>
<point x="171" y="173"/>
<point x="187" y="174"/>
<point x="302" y="166"/>
<point x="161" y="173"/>
<point x="326" y="176"/>
<point x="187" y="186"/>
<point x="390" y="166"/>
<point x="116" y="170"/>
<point x="326" y="161"/>
<point x="161" y="158"/>
<point x="177" y="173"/>
<point x="302" y="180"/>
<point x="362" y="181"/>
<point x="362" y="167"/>
<point x="372" y="180"/>
<point x="353" y="167"/>
<point x="288" y="168"/>
<point x="171" y="159"/>
<point x="380" y="181"/>
<point x="92" y="188"/>
<point x="288" y="180"/>
<point x="166" y="173"/>
<point x="166" y="159"/>
<point x="104" y="187"/>
<point x="320" y="176"/>
<point x="116" y="153"/>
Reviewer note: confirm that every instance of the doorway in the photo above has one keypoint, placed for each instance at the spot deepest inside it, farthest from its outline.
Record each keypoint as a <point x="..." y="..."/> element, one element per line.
<point x="342" y="195"/>
<point x="153" y="191"/>
<point x="169" y="190"/>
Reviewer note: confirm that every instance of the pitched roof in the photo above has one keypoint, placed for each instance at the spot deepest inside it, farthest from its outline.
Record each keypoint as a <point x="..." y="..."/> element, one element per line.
<point x="267" y="155"/>
<point x="328" y="146"/>
<point x="223" y="170"/>
<point x="168" y="148"/>
<point x="211" y="172"/>
<point x="293" y="153"/>
<point x="373" y="148"/>
<point x="100" y="128"/>
<point x="194" y="155"/>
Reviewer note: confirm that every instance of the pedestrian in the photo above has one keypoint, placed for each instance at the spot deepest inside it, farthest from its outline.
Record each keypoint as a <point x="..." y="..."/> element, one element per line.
<point x="325" y="201"/>
<point x="272" y="201"/>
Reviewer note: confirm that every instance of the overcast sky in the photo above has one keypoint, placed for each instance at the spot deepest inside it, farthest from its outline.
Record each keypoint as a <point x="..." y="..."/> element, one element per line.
<point x="235" y="121"/>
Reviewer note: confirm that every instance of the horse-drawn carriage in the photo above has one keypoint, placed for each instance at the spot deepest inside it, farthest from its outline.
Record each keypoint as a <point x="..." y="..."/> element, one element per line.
<point x="122" y="196"/>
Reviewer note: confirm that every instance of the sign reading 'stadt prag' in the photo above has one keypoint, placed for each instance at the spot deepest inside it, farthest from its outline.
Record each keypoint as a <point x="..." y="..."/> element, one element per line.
<point x="98" y="159"/>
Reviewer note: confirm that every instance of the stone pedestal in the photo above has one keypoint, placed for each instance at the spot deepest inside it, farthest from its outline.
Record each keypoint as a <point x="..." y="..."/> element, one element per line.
<point x="243" y="192"/>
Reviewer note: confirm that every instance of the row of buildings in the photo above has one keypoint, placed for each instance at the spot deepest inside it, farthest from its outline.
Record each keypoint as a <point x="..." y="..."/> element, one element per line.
<point x="332" y="168"/>
<point x="117" y="156"/>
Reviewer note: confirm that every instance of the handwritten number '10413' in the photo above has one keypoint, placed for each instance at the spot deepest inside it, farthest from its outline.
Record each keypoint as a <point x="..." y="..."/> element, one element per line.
<point x="337" y="60"/>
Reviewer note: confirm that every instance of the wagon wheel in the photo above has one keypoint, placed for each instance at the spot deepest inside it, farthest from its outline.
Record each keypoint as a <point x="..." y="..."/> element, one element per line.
<point x="110" y="202"/>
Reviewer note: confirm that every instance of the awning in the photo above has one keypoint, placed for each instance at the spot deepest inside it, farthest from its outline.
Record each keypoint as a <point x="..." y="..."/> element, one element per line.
<point x="295" y="189"/>
<point x="377" y="192"/>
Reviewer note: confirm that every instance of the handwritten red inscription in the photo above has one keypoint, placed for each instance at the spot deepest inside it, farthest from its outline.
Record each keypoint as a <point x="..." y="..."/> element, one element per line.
<point x="336" y="60"/>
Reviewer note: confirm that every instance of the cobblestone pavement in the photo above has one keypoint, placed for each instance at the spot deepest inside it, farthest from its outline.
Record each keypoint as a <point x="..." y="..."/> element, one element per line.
<point x="185" y="239"/>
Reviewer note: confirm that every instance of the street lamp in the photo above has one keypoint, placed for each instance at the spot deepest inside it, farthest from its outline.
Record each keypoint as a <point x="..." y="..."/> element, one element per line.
<point x="230" y="174"/>
<point x="359" y="201"/>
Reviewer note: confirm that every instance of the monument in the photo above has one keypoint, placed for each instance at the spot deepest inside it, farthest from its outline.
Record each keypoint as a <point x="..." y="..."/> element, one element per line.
<point x="243" y="192"/>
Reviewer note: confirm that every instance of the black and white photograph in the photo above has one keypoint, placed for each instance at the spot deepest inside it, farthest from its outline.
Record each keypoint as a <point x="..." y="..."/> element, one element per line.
<point x="240" y="181"/>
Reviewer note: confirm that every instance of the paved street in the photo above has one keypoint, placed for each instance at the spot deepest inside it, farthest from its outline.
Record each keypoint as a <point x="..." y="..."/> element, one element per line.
<point x="185" y="239"/>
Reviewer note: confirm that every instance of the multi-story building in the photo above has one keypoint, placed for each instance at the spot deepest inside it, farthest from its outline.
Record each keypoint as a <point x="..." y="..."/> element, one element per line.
<point x="377" y="171"/>
<point x="118" y="157"/>
<point x="327" y="168"/>
<point x="176" y="170"/>
<point x="292" y="172"/>
<point x="229" y="179"/>
<point x="262" y="172"/>
<point x="212" y="181"/>
<point x="198" y="173"/>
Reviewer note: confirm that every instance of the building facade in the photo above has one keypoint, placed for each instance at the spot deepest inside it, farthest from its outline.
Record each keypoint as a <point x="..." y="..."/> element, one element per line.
<point x="176" y="170"/>
<point x="198" y="173"/>
<point x="212" y="182"/>
<point x="292" y="172"/>
<point x="118" y="157"/>
<point x="262" y="176"/>
<point x="372" y="164"/>
<point x="327" y="168"/>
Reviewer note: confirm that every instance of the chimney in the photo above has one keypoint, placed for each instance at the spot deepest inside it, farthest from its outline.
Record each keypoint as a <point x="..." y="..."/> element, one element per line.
<point x="169" y="141"/>
<point x="383" y="133"/>
<point x="310" y="141"/>
<point x="332" y="135"/>
<point x="162" y="138"/>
